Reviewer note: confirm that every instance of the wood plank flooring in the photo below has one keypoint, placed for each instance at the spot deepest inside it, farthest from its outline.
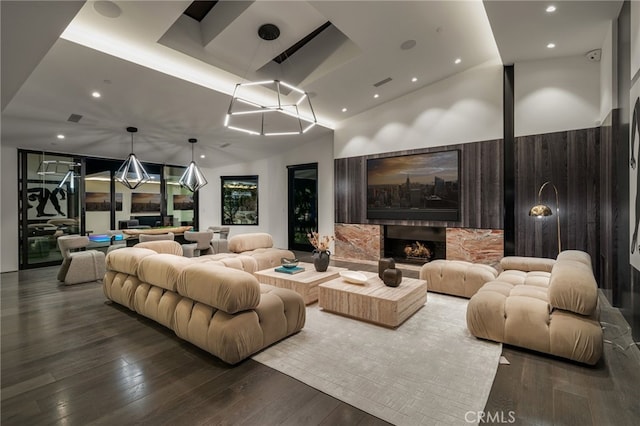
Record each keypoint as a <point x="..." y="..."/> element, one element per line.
<point x="70" y="357"/>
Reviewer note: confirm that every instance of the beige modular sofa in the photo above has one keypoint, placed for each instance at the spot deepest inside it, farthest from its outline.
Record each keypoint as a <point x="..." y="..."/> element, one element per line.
<point x="212" y="303"/>
<point x="456" y="277"/>
<point x="541" y="304"/>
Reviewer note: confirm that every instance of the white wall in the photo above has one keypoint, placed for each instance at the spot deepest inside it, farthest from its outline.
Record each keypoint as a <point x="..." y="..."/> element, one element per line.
<point x="272" y="190"/>
<point x="9" y="210"/>
<point x="466" y="107"/>
<point x="608" y="74"/>
<point x="556" y="95"/>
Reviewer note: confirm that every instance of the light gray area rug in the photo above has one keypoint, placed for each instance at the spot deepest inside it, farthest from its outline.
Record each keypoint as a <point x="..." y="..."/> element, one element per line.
<point x="428" y="371"/>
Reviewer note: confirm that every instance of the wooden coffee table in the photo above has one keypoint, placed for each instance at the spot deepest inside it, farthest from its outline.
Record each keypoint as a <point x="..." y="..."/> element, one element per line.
<point x="374" y="301"/>
<point x="304" y="283"/>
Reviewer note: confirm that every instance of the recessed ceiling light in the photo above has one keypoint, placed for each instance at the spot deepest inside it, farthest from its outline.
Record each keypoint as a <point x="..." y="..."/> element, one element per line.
<point x="376" y="96"/>
<point x="409" y="44"/>
<point x="551" y="45"/>
<point x="344" y="110"/>
<point x="201" y="155"/>
<point x="414" y="79"/>
<point x="457" y="61"/>
<point x="60" y="136"/>
<point x="95" y="94"/>
<point x="550" y="9"/>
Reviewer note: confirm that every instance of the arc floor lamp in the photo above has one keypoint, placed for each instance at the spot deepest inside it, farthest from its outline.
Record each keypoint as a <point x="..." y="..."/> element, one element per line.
<point x="541" y="210"/>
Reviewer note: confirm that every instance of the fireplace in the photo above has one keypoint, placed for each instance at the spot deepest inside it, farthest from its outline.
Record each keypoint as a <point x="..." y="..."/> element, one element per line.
<point x="414" y="244"/>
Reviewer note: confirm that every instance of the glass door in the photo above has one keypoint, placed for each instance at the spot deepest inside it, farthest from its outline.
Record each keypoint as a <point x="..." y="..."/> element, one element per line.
<point x="303" y="205"/>
<point x="49" y="205"/>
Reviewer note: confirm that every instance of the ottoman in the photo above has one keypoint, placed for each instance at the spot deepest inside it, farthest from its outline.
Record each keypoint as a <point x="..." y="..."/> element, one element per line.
<point x="456" y="277"/>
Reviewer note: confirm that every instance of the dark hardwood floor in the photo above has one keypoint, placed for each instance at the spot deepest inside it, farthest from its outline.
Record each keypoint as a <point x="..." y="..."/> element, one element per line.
<point x="68" y="356"/>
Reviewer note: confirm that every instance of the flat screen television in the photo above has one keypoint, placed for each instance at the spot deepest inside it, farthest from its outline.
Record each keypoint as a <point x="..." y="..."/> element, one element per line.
<point x="414" y="187"/>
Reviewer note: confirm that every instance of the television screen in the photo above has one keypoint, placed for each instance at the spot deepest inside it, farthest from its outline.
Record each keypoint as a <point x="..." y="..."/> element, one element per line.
<point x="414" y="187"/>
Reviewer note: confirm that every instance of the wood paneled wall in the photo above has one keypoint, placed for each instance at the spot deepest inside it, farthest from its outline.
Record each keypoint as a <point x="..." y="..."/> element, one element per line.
<point x="571" y="161"/>
<point x="609" y="200"/>
<point x="481" y="187"/>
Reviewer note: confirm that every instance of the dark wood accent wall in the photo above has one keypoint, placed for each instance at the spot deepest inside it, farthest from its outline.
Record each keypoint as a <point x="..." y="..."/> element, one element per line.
<point x="481" y="187"/>
<point x="608" y="203"/>
<point x="508" y="112"/>
<point x="571" y="161"/>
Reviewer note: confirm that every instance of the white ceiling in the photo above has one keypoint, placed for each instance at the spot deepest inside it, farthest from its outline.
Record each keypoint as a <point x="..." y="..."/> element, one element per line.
<point x="171" y="76"/>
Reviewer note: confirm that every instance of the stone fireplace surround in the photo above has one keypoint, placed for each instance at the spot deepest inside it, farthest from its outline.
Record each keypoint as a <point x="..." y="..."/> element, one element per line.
<point x="365" y="242"/>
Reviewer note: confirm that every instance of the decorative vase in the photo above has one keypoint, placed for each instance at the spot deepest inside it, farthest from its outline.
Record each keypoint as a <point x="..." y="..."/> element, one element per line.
<point x="392" y="277"/>
<point x="321" y="260"/>
<point x="385" y="263"/>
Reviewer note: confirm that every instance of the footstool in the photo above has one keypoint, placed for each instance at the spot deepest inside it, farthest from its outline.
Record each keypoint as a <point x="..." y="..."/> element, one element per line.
<point x="456" y="277"/>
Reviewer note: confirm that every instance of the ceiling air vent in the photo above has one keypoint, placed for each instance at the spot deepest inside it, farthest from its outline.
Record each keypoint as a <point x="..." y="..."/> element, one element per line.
<point x="381" y="82"/>
<point x="74" y="118"/>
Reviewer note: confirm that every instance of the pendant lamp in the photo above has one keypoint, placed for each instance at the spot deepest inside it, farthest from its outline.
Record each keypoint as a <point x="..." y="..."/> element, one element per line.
<point x="131" y="174"/>
<point x="192" y="178"/>
<point x="70" y="178"/>
<point x="283" y="109"/>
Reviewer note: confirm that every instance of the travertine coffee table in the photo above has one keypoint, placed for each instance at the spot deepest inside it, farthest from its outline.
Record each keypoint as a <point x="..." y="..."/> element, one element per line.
<point x="373" y="301"/>
<point x="304" y="283"/>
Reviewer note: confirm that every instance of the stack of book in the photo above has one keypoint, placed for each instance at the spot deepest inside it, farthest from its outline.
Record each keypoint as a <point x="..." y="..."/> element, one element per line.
<point x="290" y="271"/>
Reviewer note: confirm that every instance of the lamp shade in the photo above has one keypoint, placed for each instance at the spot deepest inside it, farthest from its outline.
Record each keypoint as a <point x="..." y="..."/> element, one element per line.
<point x="192" y="178"/>
<point x="540" y="210"/>
<point x="131" y="173"/>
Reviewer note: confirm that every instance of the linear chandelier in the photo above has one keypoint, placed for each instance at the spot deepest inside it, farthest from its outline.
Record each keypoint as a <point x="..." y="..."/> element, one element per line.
<point x="192" y="178"/>
<point x="131" y="173"/>
<point x="284" y="110"/>
<point x="281" y="116"/>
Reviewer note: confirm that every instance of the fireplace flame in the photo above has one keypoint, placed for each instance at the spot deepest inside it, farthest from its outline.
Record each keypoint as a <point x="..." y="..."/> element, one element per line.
<point x="417" y="250"/>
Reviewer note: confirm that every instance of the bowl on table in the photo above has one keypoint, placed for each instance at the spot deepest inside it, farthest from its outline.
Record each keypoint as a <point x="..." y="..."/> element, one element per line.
<point x="289" y="263"/>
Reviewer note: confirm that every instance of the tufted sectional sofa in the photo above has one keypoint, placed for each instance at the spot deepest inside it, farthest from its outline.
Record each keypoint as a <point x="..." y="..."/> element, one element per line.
<point x="212" y="301"/>
<point x="546" y="305"/>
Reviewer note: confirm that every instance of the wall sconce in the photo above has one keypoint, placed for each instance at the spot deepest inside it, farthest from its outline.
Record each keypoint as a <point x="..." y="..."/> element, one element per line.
<point x="540" y="210"/>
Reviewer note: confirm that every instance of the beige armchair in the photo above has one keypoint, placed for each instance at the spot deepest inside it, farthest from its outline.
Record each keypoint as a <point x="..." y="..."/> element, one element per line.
<point x="82" y="266"/>
<point x="201" y="243"/>
<point x="220" y="238"/>
<point x="143" y="238"/>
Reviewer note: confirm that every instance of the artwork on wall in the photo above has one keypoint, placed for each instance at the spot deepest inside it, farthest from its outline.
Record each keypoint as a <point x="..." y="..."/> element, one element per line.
<point x="634" y="174"/>
<point x="46" y="200"/>
<point x="239" y="200"/>
<point x="144" y="202"/>
<point x="183" y="202"/>
<point x="101" y="201"/>
<point x="414" y="187"/>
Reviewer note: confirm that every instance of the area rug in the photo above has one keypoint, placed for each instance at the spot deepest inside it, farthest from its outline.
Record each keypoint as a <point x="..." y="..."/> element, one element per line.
<point x="428" y="371"/>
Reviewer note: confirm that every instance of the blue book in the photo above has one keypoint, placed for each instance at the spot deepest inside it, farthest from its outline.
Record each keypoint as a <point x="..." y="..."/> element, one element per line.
<point x="290" y="271"/>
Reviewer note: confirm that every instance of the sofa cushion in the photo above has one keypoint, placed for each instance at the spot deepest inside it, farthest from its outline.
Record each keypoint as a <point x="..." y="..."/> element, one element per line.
<point x="162" y="246"/>
<point x="526" y="264"/>
<point x="573" y="287"/>
<point x="576" y="255"/>
<point x="227" y="289"/>
<point x="456" y="277"/>
<point x="127" y="259"/>
<point x="245" y="242"/>
<point x="534" y="278"/>
<point x="162" y="270"/>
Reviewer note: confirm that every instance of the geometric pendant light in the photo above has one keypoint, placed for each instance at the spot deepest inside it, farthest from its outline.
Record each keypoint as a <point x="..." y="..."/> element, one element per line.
<point x="192" y="178"/>
<point x="131" y="173"/>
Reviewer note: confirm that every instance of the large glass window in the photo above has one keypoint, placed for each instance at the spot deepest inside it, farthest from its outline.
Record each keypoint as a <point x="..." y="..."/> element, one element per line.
<point x="49" y="205"/>
<point x="61" y="194"/>
<point x="180" y="201"/>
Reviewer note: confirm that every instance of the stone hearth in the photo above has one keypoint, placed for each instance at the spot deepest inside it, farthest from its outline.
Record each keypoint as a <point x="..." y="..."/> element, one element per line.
<point x="366" y="243"/>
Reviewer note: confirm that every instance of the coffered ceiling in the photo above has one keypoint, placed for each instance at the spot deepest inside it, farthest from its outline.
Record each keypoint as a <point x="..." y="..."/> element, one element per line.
<point x="171" y="76"/>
